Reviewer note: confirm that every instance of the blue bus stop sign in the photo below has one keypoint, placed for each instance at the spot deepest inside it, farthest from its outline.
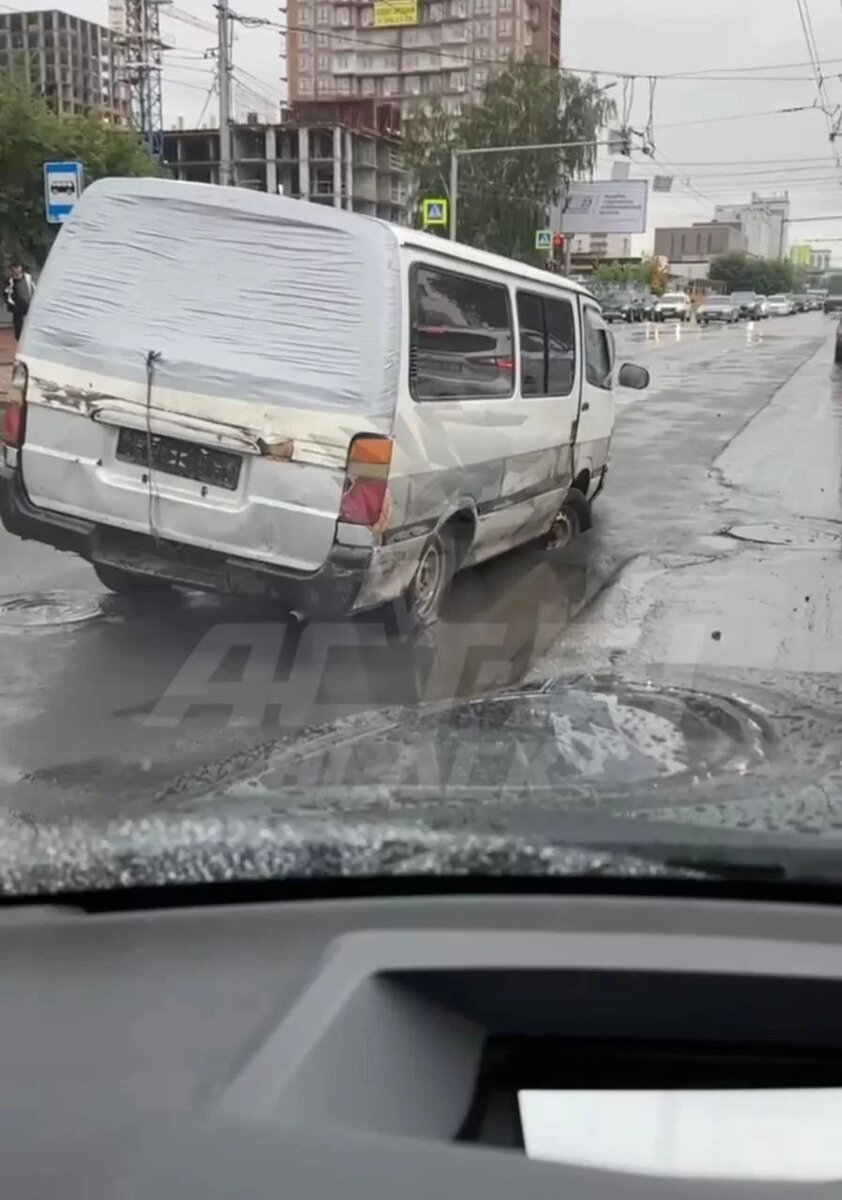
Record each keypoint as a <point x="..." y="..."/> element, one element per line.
<point x="63" y="184"/>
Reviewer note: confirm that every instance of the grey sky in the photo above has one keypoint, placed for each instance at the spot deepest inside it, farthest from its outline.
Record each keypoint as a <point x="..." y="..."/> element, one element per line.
<point x="655" y="36"/>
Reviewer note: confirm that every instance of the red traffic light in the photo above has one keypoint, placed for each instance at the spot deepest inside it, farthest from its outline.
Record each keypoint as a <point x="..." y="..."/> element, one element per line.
<point x="558" y="241"/>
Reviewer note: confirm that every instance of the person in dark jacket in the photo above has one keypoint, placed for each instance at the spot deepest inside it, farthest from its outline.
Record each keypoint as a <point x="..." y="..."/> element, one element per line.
<point x="18" y="294"/>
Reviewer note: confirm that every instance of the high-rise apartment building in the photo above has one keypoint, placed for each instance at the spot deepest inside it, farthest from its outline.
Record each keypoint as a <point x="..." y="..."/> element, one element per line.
<point x="345" y="48"/>
<point x="74" y="64"/>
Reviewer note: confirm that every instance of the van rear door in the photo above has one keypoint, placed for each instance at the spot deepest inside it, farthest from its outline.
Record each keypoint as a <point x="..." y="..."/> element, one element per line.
<point x="197" y="372"/>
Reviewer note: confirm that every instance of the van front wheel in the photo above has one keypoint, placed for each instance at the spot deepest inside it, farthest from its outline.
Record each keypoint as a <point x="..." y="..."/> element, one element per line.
<point x="424" y="597"/>
<point x="127" y="583"/>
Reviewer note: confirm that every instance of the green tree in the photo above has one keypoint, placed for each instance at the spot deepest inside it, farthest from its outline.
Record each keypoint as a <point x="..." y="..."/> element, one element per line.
<point x="504" y="198"/>
<point x="745" y="273"/>
<point x="32" y="134"/>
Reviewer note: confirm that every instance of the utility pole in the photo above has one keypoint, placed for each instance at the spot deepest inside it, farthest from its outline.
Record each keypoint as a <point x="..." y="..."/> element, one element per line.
<point x="226" y="175"/>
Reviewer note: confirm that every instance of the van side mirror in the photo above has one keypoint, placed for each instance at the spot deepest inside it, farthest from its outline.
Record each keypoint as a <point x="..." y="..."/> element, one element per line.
<point x="633" y="376"/>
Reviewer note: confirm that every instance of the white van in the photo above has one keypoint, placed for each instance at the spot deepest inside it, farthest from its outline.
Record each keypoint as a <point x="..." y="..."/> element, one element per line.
<point x="249" y="394"/>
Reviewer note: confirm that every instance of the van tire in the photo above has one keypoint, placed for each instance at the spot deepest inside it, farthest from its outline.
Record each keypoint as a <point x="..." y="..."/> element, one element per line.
<point x="420" y="605"/>
<point x="574" y="517"/>
<point x="127" y="583"/>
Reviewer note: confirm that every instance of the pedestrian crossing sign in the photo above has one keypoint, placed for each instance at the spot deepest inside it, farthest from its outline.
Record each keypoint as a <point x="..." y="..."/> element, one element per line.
<point x="434" y="212"/>
<point x="543" y="239"/>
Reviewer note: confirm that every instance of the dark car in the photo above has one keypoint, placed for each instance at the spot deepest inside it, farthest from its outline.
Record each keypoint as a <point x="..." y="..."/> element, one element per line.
<point x="621" y="306"/>
<point x="749" y="304"/>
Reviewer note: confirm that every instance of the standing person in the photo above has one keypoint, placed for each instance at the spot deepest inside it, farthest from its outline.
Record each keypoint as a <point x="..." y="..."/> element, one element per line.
<point x="18" y="294"/>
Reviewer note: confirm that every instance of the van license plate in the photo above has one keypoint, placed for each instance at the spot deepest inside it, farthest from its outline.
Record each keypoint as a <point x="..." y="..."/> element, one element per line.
<point x="171" y="456"/>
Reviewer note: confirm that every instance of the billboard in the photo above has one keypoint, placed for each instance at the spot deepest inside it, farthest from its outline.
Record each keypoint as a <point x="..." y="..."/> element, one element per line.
<point x="801" y="256"/>
<point x="607" y="206"/>
<point x="391" y="13"/>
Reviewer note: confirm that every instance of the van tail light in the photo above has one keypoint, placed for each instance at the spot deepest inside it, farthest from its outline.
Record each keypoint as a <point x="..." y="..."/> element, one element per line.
<point x="366" y="480"/>
<point x="13" y="430"/>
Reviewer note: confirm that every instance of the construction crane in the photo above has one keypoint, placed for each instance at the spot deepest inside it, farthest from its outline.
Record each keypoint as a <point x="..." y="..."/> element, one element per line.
<point x="139" y="33"/>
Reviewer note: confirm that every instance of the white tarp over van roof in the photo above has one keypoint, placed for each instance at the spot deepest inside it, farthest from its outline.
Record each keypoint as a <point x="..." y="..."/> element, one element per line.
<point x="243" y="295"/>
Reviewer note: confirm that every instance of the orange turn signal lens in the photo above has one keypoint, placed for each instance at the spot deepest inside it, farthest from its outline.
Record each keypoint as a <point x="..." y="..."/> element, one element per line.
<point x="370" y="449"/>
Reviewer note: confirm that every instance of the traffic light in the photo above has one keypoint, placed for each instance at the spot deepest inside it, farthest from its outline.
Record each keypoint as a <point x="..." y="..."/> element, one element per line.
<point x="558" y="247"/>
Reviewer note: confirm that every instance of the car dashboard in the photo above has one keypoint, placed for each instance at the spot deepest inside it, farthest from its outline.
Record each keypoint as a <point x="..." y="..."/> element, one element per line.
<point x="362" y="1047"/>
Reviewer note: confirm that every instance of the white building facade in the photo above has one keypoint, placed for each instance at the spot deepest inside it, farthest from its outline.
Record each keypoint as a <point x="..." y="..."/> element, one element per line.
<point x="764" y="221"/>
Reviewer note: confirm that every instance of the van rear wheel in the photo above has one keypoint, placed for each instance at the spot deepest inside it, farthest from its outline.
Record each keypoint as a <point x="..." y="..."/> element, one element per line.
<point x="421" y="602"/>
<point x="127" y="583"/>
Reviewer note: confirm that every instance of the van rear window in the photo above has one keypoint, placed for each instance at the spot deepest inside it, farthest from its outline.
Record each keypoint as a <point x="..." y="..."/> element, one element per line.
<point x="461" y="337"/>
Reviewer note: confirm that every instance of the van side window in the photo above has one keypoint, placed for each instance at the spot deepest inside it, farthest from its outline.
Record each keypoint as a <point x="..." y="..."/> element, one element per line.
<point x="598" y="357"/>
<point x="561" y="346"/>
<point x="461" y="339"/>
<point x="533" y="350"/>
<point x="547" y="345"/>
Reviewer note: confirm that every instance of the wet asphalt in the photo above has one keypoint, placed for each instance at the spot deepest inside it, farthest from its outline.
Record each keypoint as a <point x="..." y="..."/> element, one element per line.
<point x="715" y="546"/>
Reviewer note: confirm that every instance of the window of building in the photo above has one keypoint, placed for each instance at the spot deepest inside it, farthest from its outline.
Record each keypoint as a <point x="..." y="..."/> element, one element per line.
<point x="323" y="39"/>
<point x="461" y="343"/>
<point x="480" y="76"/>
<point x="598" y="354"/>
<point x="343" y="16"/>
<point x="482" y="29"/>
<point x="305" y="14"/>
<point x="323" y="62"/>
<point x="304" y="62"/>
<point x="323" y="14"/>
<point x="504" y="27"/>
<point x="366" y="17"/>
<point x="458" y="81"/>
<point x="504" y="6"/>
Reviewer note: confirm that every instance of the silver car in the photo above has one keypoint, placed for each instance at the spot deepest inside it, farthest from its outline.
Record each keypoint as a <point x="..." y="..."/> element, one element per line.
<point x="721" y="309"/>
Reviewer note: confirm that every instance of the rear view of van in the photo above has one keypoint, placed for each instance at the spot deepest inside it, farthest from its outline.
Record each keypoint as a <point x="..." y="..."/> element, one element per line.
<point x="205" y="377"/>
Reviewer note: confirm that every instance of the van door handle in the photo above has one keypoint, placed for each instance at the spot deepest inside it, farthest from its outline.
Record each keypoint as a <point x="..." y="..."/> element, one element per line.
<point x="585" y="406"/>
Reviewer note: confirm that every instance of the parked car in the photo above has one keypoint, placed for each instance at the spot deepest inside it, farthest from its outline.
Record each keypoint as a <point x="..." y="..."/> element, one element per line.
<point x="674" y="305"/>
<point x="721" y="309"/>
<point x="622" y="306"/>
<point x="748" y="304"/>
<point x="800" y="302"/>
<point x="764" y="307"/>
<point x="781" y="305"/>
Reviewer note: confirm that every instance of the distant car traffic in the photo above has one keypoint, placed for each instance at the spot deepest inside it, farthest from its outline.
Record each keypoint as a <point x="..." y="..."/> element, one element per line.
<point x="748" y="304"/>
<point x="674" y="305"/>
<point x="781" y="305"/>
<point x="721" y="309"/>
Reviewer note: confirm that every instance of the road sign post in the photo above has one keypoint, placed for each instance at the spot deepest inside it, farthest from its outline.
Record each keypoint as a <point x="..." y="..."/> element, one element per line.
<point x="543" y="239"/>
<point x="434" y="212"/>
<point x="63" y="184"/>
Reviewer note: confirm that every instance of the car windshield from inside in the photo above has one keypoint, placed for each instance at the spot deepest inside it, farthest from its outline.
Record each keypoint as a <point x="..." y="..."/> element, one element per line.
<point x="387" y="505"/>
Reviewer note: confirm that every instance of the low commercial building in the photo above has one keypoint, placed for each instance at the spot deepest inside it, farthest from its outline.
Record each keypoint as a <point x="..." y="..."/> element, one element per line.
<point x="700" y="242"/>
<point x="348" y="155"/>
<point x="609" y="246"/>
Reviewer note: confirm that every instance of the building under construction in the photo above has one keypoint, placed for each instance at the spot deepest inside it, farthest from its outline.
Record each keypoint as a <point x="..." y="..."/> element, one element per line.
<point x="76" y="65"/>
<point x="347" y="155"/>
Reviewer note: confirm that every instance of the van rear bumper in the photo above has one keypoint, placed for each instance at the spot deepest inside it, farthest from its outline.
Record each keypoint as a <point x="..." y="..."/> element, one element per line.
<point x="332" y="591"/>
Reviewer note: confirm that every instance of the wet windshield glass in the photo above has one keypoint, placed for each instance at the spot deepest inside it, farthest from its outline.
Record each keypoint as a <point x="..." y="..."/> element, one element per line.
<point x="436" y="456"/>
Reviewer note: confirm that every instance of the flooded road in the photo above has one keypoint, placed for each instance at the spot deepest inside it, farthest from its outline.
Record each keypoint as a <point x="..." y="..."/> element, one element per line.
<point x="715" y="544"/>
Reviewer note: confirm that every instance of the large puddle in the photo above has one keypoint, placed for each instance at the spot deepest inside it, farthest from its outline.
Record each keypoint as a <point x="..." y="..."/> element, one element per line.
<point x="583" y="735"/>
